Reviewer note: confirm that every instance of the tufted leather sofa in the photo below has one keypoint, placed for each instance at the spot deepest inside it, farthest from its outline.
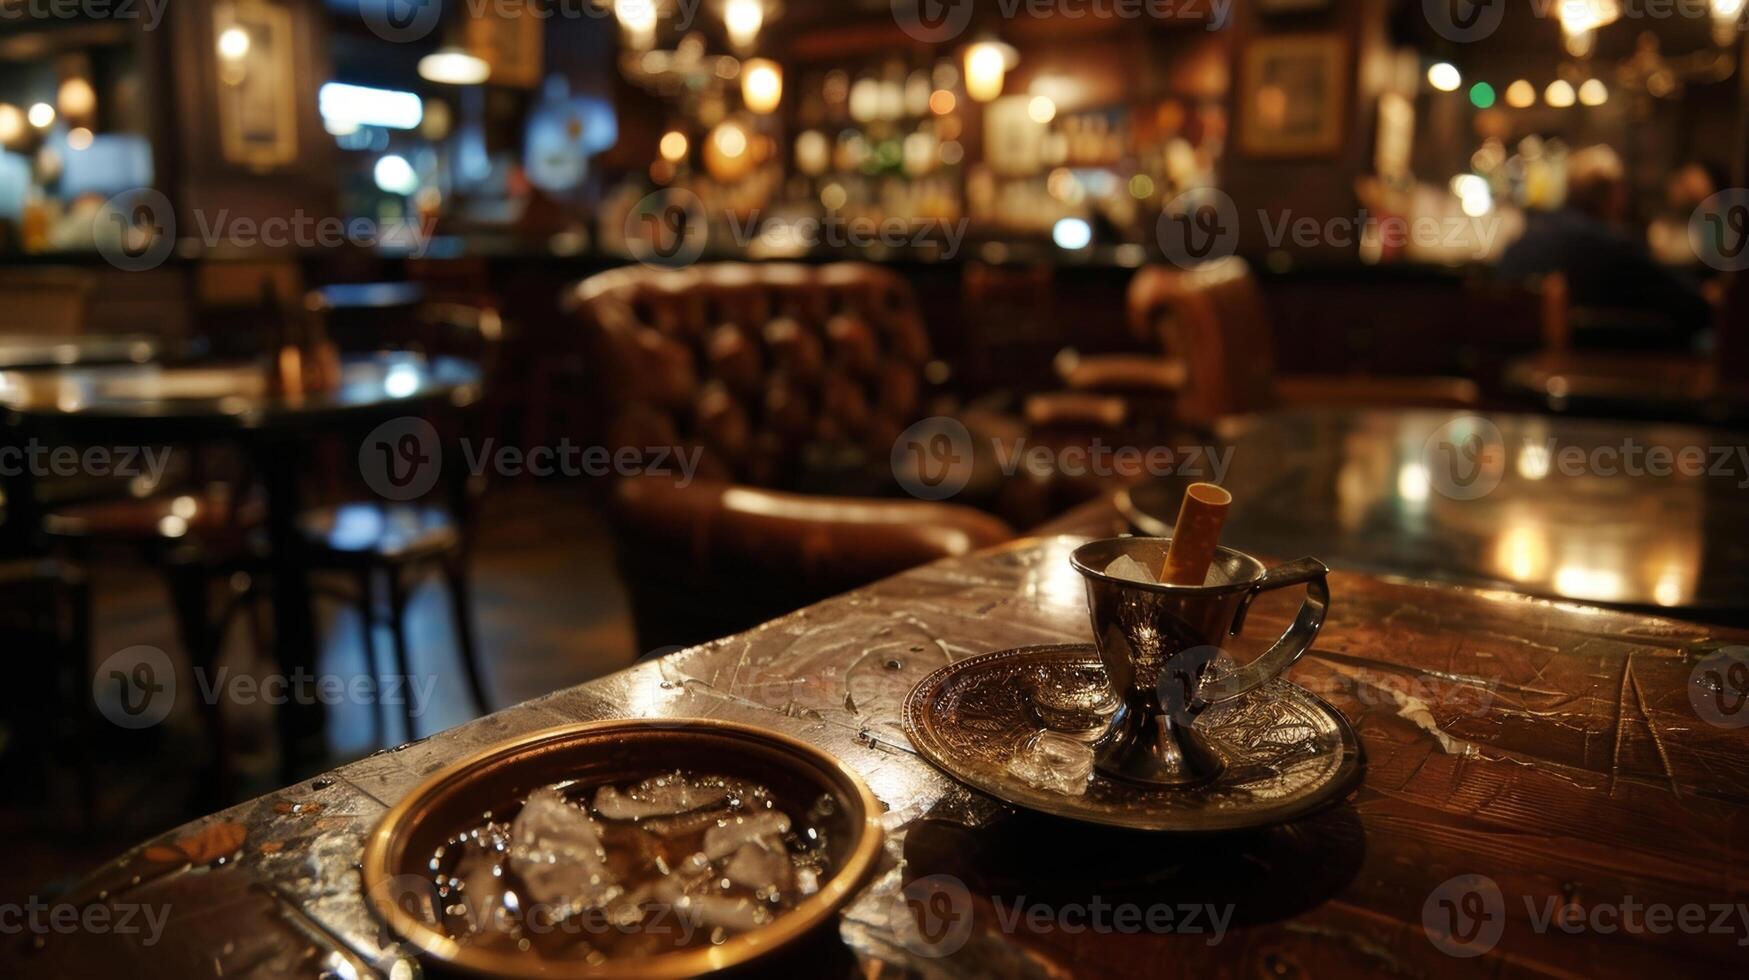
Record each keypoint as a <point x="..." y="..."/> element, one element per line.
<point x="789" y="385"/>
<point x="1214" y="320"/>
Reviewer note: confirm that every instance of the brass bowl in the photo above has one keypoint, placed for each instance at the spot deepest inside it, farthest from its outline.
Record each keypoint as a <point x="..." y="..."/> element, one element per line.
<point x="619" y="751"/>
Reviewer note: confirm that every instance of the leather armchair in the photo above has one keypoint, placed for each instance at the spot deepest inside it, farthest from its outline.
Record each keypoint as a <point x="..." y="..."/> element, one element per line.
<point x="789" y="385"/>
<point x="1213" y="320"/>
<point x="1212" y="353"/>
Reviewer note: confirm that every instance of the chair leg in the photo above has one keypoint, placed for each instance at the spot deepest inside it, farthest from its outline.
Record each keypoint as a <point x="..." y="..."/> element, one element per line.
<point x="461" y="607"/>
<point x="398" y="627"/>
<point x="367" y="619"/>
<point x="77" y="656"/>
<point x="190" y="601"/>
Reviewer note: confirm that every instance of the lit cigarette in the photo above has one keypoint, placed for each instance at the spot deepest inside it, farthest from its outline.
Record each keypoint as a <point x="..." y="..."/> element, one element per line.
<point x="1196" y="535"/>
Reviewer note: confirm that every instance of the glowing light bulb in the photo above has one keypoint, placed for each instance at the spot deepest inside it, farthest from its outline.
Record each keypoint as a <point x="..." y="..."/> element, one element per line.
<point x="986" y="69"/>
<point x="394" y="175"/>
<point x="673" y="146"/>
<point x="233" y="43"/>
<point x="742" y="19"/>
<point x="761" y="85"/>
<point x="1444" y="76"/>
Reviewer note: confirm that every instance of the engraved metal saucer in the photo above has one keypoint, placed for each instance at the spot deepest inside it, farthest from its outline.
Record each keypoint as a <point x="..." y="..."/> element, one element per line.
<point x="1019" y="725"/>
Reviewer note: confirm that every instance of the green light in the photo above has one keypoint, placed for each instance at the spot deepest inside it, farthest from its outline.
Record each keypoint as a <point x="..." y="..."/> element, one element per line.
<point x="1482" y="95"/>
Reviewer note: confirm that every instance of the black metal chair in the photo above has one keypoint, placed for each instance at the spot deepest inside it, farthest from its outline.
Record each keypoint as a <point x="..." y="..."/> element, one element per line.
<point x="380" y="545"/>
<point x="45" y="610"/>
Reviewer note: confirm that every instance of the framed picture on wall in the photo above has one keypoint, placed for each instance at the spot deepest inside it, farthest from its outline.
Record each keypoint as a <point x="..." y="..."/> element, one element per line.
<point x="1292" y="96"/>
<point x="257" y="91"/>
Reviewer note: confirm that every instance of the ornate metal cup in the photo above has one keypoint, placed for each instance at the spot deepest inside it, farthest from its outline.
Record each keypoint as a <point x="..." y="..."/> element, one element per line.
<point x="1157" y="641"/>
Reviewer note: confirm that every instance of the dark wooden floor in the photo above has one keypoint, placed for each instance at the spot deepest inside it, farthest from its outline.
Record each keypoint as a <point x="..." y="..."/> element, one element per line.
<point x="551" y="614"/>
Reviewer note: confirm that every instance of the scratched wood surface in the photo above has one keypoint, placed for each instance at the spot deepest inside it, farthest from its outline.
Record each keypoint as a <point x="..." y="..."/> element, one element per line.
<point x="1553" y="749"/>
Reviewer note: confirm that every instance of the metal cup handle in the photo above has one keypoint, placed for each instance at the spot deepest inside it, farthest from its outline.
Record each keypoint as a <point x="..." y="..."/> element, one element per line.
<point x="1309" y="572"/>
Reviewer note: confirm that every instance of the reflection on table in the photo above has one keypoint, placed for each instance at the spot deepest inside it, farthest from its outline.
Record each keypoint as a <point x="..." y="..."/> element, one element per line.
<point x="1632" y="514"/>
<point x="239" y="392"/>
<point x="29" y="352"/>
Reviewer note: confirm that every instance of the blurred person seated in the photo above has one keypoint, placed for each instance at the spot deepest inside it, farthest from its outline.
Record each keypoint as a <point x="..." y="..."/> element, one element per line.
<point x="1667" y="234"/>
<point x="1621" y="297"/>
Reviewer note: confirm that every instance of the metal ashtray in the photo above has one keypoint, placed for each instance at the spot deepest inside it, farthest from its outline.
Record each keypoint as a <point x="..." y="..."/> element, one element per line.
<point x="995" y="722"/>
<point x="404" y="885"/>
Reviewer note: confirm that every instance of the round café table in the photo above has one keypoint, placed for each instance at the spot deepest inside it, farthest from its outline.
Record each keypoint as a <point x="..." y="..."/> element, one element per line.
<point x="1647" y="385"/>
<point x="34" y="352"/>
<point x="1645" y="516"/>
<point x="150" y="405"/>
